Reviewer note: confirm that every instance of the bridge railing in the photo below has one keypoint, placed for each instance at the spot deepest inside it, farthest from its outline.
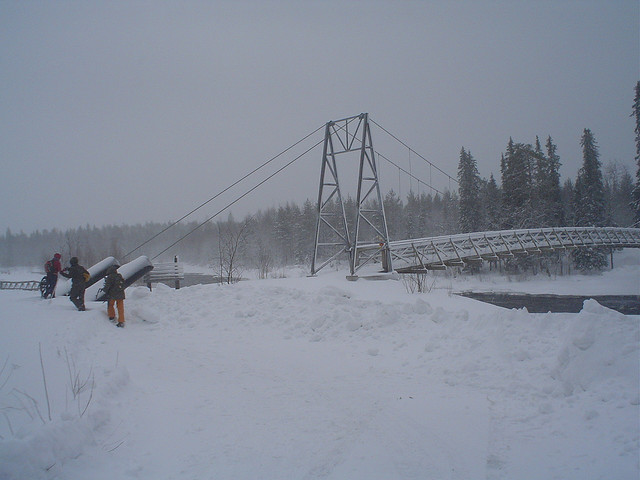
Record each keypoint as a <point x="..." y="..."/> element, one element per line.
<point x="24" y="285"/>
<point x="165" y="272"/>
<point x="437" y="253"/>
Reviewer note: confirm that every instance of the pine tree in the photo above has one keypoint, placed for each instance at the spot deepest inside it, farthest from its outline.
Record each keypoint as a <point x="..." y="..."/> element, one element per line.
<point x="393" y="212"/>
<point x="567" y="196"/>
<point x="411" y="214"/>
<point x="308" y="229"/>
<point x="7" y="252"/>
<point x="618" y="186"/>
<point x="286" y="225"/>
<point x="492" y="202"/>
<point x="590" y="205"/>
<point x="623" y="211"/>
<point x="450" y="209"/>
<point x="470" y="210"/>
<point x="518" y="186"/>
<point x="589" y="202"/>
<point x="425" y="215"/>
<point x="549" y="192"/>
<point x="538" y="194"/>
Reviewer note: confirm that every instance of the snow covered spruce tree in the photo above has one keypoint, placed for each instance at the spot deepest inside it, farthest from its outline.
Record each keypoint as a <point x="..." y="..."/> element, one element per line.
<point x="517" y="168"/>
<point x="393" y="209"/>
<point x="287" y="230"/>
<point x="491" y="196"/>
<point x="469" y="184"/>
<point x="636" y="190"/>
<point x="525" y="201"/>
<point x="618" y="190"/>
<point x="418" y="214"/>
<point x="589" y="202"/>
<point x="566" y="193"/>
<point x="548" y="186"/>
<point x="449" y="213"/>
<point x="411" y="214"/>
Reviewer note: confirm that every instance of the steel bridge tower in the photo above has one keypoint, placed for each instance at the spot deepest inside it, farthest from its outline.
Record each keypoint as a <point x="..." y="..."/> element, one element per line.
<point x="350" y="135"/>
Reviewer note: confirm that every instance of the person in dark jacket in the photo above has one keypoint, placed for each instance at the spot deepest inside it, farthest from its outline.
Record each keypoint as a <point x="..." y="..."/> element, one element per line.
<point x="79" y="277"/>
<point x="114" y="289"/>
<point x="52" y="268"/>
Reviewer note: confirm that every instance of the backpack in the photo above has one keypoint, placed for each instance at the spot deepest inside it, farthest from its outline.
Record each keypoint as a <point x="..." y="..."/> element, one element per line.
<point x="115" y="285"/>
<point x="50" y="267"/>
<point x="118" y="284"/>
<point x="86" y="276"/>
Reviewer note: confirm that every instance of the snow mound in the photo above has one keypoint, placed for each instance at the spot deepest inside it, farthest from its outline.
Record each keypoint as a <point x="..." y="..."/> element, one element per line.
<point x="316" y="378"/>
<point x="599" y="348"/>
<point x="41" y="451"/>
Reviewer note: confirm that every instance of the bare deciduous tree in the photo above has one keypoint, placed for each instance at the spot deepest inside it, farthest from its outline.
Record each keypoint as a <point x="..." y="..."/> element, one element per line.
<point x="263" y="260"/>
<point x="232" y="239"/>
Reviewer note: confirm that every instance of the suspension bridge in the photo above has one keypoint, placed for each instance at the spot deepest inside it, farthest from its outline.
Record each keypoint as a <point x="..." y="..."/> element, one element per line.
<point x="438" y="253"/>
<point x="333" y="239"/>
<point x="348" y="142"/>
<point x="369" y="244"/>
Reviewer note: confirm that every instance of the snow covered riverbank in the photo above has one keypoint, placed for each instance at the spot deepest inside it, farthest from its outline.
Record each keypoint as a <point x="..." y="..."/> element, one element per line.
<point x="308" y="378"/>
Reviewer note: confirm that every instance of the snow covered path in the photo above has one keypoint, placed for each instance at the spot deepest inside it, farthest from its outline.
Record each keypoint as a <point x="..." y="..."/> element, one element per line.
<point x="275" y="403"/>
<point x="312" y="378"/>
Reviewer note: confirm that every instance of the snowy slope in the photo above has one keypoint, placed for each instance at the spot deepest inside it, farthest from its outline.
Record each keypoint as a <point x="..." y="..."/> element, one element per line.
<point x="304" y="378"/>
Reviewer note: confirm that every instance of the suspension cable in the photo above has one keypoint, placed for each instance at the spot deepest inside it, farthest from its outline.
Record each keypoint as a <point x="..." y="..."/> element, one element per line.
<point x="223" y="191"/>
<point x="412" y="150"/>
<point x="241" y="197"/>
<point x="408" y="173"/>
<point x="400" y="169"/>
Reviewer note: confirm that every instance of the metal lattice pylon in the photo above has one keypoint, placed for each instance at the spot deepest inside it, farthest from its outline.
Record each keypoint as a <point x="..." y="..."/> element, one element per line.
<point x="332" y="231"/>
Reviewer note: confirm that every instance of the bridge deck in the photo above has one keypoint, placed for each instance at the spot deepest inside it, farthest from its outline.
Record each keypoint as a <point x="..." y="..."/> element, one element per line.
<point x="437" y="253"/>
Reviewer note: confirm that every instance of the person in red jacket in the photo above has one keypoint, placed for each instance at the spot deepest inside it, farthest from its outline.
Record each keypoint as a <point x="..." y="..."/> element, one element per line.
<point x="52" y="269"/>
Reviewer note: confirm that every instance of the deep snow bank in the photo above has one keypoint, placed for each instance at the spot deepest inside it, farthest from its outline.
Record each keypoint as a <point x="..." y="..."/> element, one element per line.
<point x="316" y="378"/>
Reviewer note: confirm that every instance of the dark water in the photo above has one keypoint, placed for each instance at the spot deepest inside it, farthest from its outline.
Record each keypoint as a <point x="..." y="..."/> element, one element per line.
<point x="626" y="304"/>
<point x="199" y="279"/>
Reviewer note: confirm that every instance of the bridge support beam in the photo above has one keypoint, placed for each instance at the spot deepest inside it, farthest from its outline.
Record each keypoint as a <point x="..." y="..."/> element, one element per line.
<point x="332" y="239"/>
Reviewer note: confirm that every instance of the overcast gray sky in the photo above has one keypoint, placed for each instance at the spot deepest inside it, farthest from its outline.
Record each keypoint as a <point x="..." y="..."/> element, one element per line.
<point x="131" y="111"/>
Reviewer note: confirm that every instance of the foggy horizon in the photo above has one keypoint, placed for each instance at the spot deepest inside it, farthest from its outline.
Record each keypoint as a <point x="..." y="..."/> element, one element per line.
<point x="119" y="113"/>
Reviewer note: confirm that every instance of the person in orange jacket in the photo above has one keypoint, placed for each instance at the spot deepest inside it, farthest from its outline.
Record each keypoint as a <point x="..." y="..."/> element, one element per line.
<point x="114" y="290"/>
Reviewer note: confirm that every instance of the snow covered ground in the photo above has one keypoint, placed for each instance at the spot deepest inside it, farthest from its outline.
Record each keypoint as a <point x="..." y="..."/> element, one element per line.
<point x="309" y="378"/>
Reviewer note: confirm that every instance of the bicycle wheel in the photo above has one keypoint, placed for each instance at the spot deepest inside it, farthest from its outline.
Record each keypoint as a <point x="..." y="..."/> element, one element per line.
<point x="44" y="285"/>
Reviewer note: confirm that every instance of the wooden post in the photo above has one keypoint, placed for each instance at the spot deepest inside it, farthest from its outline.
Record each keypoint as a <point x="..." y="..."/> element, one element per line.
<point x="611" y="254"/>
<point x="175" y="260"/>
<point x="385" y="258"/>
